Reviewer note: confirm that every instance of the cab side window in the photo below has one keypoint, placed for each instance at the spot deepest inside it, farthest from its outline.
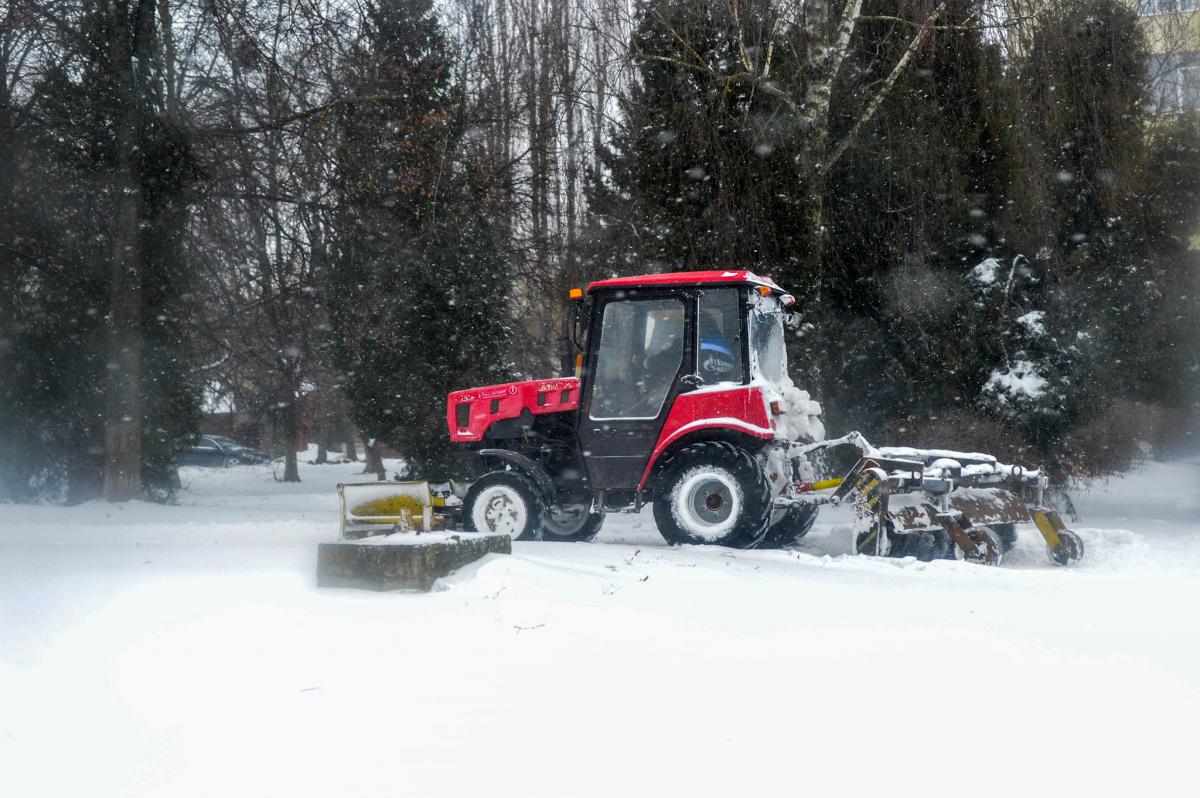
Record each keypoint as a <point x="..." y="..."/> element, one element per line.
<point x="640" y="354"/>
<point x="719" y="353"/>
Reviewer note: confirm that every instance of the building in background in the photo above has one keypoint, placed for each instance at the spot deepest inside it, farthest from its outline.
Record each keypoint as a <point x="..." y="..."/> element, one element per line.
<point x="1173" y="34"/>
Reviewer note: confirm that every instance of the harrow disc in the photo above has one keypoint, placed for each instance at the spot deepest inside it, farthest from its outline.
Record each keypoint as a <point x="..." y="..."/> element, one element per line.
<point x="1070" y="548"/>
<point x="987" y="544"/>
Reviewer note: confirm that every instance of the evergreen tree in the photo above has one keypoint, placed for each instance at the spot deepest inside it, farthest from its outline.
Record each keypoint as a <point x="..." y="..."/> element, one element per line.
<point x="702" y="170"/>
<point x="907" y="208"/>
<point x="1082" y="342"/>
<point x="420" y="288"/>
<point x="58" y="235"/>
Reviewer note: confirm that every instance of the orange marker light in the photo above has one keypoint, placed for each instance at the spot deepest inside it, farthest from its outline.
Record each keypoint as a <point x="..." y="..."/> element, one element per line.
<point x="777" y="408"/>
<point x="764" y="290"/>
<point x="576" y="293"/>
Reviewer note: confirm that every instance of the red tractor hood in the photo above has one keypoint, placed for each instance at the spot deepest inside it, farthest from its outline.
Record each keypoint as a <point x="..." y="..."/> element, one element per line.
<point x="470" y="412"/>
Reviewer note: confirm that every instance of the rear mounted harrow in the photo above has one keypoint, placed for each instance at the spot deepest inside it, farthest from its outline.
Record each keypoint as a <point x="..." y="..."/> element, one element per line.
<point x="938" y="504"/>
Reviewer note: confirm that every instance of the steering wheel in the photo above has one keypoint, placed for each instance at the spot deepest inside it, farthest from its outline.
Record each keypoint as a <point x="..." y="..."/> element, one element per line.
<point x="642" y="408"/>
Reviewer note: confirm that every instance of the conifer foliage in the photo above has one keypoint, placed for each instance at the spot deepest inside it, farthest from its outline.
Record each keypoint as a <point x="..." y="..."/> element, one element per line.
<point x="67" y="177"/>
<point x="420" y="286"/>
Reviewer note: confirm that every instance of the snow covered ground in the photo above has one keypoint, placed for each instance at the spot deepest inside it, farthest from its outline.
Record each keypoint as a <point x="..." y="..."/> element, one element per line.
<point x="185" y="651"/>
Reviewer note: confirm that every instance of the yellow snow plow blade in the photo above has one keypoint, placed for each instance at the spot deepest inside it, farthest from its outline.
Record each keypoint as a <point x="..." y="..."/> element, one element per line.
<point x="385" y="507"/>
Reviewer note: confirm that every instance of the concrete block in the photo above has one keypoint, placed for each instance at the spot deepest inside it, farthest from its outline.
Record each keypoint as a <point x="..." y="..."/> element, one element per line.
<point x="403" y="561"/>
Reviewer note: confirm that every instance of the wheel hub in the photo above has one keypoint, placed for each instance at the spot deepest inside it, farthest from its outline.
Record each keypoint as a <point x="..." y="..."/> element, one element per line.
<point x="501" y="511"/>
<point x="711" y="501"/>
<point x="566" y="520"/>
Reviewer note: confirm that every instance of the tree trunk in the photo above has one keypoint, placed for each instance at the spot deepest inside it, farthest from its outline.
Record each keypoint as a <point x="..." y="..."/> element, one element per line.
<point x="374" y="460"/>
<point x="123" y="379"/>
<point x="345" y="428"/>
<point x="288" y="425"/>
<point x="537" y="210"/>
<point x="324" y="425"/>
<point x="545" y="122"/>
<point x="349" y="445"/>
<point x="600" y="83"/>
<point x="291" y="439"/>
<point x="570" y="102"/>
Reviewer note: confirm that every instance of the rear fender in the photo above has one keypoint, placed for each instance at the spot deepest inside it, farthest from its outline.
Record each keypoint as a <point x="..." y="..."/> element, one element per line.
<point x="743" y="436"/>
<point x="529" y="468"/>
<point x="738" y="414"/>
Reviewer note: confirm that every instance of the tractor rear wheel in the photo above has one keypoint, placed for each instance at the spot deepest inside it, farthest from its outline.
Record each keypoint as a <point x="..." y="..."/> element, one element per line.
<point x="573" y="523"/>
<point x="794" y="524"/>
<point x="504" y="502"/>
<point x="713" y="493"/>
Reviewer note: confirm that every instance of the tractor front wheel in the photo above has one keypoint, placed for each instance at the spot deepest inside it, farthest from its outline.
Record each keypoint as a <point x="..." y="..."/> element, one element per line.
<point x="504" y="502"/>
<point x="713" y="493"/>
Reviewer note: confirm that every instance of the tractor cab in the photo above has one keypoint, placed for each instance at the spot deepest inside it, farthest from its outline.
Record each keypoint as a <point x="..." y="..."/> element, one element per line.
<point x="667" y="356"/>
<point x="662" y="370"/>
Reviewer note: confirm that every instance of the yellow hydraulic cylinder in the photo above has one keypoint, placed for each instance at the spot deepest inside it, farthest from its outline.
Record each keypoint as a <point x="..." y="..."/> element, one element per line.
<point x="1049" y="524"/>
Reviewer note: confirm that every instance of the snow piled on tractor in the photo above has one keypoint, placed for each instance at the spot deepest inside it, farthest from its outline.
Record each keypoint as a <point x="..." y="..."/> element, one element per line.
<point x="801" y="418"/>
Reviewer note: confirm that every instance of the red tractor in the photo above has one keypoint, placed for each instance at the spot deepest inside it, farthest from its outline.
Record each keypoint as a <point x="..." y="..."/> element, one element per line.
<point x="681" y="398"/>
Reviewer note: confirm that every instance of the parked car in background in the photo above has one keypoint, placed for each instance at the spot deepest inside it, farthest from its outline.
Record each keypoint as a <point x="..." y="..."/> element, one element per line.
<point x="249" y="456"/>
<point x="220" y="452"/>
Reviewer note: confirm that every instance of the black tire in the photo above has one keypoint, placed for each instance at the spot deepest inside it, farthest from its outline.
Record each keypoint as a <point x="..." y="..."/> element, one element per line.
<point x="1007" y="533"/>
<point x="572" y="524"/>
<point x="513" y="500"/>
<point x="1071" y="550"/>
<point x="926" y="545"/>
<point x="713" y="493"/>
<point x="791" y="527"/>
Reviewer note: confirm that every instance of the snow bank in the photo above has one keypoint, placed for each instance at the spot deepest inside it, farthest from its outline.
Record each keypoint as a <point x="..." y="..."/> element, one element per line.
<point x="197" y="658"/>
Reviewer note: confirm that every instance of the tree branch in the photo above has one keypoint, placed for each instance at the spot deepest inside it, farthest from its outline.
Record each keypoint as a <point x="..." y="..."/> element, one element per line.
<point x="873" y="106"/>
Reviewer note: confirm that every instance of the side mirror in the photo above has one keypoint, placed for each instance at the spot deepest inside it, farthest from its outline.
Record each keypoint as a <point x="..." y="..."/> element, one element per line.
<point x="793" y="320"/>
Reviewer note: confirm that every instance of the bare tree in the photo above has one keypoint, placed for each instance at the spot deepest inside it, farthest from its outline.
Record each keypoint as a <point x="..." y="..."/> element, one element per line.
<point x="264" y="229"/>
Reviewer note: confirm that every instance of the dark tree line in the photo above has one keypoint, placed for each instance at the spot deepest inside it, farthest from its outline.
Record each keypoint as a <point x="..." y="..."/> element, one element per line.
<point x="1003" y="257"/>
<point x="298" y="207"/>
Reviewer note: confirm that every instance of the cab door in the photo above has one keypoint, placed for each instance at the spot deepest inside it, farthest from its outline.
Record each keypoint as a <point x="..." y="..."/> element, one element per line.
<point x="643" y="349"/>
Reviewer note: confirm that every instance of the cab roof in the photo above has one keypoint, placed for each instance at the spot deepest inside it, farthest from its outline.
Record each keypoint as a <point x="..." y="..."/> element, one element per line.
<point x="677" y="279"/>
